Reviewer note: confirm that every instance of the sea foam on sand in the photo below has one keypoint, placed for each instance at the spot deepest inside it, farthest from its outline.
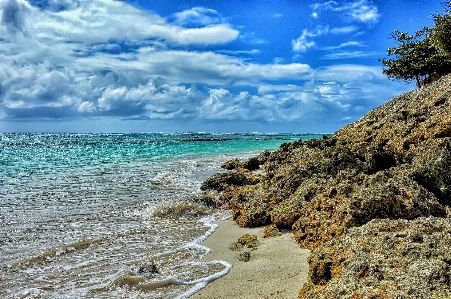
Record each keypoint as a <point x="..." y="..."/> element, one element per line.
<point x="277" y="268"/>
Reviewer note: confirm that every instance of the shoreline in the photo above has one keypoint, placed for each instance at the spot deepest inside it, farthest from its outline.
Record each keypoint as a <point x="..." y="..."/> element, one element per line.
<point x="278" y="267"/>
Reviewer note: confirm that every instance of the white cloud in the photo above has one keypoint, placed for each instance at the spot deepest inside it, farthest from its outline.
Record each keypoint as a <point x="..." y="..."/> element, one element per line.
<point x="348" y="73"/>
<point x="216" y="34"/>
<point x="302" y="44"/>
<point x="343" y="30"/>
<point x="305" y="42"/>
<point x="251" y="38"/>
<point x="96" y="18"/>
<point x="105" y="58"/>
<point x="198" y="17"/>
<point x="349" y="54"/>
<point x="363" y="11"/>
<point x="345" y="45"/>
<point x="86" y="106"/>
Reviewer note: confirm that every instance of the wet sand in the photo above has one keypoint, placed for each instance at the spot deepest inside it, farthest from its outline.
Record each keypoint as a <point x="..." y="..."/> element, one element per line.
<point x="277" y="268"/>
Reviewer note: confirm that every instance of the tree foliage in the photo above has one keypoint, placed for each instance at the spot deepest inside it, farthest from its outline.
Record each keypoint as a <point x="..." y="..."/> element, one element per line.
<point x="441" y="33"/>
<point x="422" y="57"/>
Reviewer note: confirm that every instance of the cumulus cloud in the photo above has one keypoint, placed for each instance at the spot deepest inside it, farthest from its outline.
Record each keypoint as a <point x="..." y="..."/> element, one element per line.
<point x="108" y="59"/>
<point x="130" y="23"/>
<point x="75" y="61"/>
<point x="13" y="16"/>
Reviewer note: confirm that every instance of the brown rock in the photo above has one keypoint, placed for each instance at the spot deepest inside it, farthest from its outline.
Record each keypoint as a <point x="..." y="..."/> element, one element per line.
<point x="384" y="259"/>
<point x="393" y="164"/>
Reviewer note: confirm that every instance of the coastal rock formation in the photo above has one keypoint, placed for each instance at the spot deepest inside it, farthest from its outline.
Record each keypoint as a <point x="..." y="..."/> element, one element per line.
<point x="384" y="259"/>
<point x="363" y="197"/>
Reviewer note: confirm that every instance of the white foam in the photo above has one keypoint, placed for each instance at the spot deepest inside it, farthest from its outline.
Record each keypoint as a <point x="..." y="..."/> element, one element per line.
<point x="199" y="284"/>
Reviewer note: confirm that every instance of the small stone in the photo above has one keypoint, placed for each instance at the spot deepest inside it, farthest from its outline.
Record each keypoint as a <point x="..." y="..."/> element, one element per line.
<point x="244" y="257"/>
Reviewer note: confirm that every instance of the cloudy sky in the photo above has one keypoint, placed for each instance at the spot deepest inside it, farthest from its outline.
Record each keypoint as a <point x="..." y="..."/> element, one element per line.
<point x="197" y="65"/>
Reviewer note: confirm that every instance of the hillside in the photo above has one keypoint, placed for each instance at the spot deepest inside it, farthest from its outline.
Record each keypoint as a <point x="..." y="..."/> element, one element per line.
<point x="371" y="201"/>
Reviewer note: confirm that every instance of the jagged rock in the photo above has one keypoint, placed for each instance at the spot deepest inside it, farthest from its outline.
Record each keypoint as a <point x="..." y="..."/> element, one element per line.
<point x="207" y="199"/>
<point x="251" y="164"/>
<point x="432" y="168"/>
<point x="392" y="164"/>
<point x="263" y="157"/>
<point x="220" y="181"/>
<point x="249" y="208"/>
<point x="231" y="164"/>
<point x="246" y="241"/>
<point x="384" y="259"/>
<point x="271" y="231"/>
<point x="355" y="199"/>
<point x="377" y="159"/>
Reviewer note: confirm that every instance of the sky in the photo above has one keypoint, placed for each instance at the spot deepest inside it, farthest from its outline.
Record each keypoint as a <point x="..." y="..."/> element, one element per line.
<point x="301" y="66"/>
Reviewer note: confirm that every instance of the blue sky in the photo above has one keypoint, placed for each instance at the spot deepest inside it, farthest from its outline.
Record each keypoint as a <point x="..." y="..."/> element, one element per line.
<point x="197" y="65"/>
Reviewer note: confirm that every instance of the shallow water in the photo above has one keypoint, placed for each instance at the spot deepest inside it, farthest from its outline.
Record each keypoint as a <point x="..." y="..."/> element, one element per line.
<point x="76" y="212"/>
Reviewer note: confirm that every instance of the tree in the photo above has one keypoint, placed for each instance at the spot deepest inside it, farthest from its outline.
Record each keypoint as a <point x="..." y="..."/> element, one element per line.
<point x="441" y="33"/>
<point x="416" y="58"/>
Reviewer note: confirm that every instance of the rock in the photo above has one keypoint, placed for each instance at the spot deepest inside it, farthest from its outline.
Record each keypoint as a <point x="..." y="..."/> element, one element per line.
<point x="354" y="200"/>
<point x="244" y="257"/>
<point x="251" y="164"/>
<point x="221" y="181"/>
<point x="372" y="200"/>
<point x="246" y="241"/>
<point x="231" y="164"/>
<point x="271" y="231"/>
<point x="431" y="168"/>
<point x="263" y="157"/>
<point x="249" y="211"/>
<point x="207" y="199"/>
<point x="148" y="269"/>
<point x="384" y="259"/>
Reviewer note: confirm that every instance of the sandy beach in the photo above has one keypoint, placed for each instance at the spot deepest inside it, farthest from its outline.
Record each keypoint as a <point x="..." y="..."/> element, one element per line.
<point x="277" y="268"/>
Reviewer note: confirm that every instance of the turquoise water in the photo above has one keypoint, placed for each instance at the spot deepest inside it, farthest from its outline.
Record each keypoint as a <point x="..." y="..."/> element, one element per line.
<point x="76" y="212"/>
<point x="55" y="152"/>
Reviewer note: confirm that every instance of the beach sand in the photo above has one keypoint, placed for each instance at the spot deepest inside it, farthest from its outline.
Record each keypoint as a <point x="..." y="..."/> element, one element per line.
<point x="277" y="268"/>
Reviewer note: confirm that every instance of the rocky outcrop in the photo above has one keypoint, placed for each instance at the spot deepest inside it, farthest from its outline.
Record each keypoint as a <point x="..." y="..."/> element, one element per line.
<point x="223" y="181"/>
<point x="391" y="169"/>
<point x="384" y="259"/>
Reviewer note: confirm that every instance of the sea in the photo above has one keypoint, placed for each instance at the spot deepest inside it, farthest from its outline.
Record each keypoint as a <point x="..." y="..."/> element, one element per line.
<point x="78" y="212"/>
